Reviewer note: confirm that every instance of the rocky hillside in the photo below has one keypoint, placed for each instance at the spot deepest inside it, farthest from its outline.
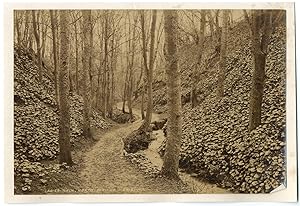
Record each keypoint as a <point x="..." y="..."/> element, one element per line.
<point x="216" y="143"/>
<point x="36" y="121"/>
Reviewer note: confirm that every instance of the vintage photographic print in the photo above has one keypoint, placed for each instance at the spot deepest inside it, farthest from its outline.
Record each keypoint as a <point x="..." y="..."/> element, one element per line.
<point x="153" y="101"/>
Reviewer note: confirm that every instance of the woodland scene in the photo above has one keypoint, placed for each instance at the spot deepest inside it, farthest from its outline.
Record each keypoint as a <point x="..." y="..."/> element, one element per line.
<point x="149" y="101"/>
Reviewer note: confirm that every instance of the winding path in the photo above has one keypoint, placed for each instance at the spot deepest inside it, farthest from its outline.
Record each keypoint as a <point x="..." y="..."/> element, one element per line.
<point x="107" y="171"/>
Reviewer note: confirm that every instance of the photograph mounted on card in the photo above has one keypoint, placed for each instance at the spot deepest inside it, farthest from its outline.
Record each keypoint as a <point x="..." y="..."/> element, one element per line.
<point x="150" y="102"/>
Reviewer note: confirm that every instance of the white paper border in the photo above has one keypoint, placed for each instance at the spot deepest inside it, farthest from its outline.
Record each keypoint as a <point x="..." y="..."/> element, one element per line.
<point x="287" y="195"/>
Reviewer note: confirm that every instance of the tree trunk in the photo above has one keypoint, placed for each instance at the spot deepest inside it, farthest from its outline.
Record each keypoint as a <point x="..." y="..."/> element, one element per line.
<point x="64" y="109"/>
<point x="148" y="69"/>
<point x="130" y="63"/>
<point x="211" y="24"/>
<point x="150" y="73"/>
<point x="91" y="60"/>
<point x="222" y="62"/>
<point x="76" y="58"/>
<point x="38" y="46"/>
<point x="171" y="157"/>
<point x="108" y="88"/>
<point x="112" y="67"/>
<point x="17" y="27"/>
<point x="256" y="94"/>
<point x="144" y="44"/>
<point x="125" y="92"/>
<point x="144" y="80"/>
<point x="98" y="89"/>
<point x="54" y="41"/>
<point x="104" y="87"/>
<point x="87" y="27"/>
<point x="218" y="29"/>
<point x="129" y="97"/>
<point x="199" y="59"/>
<point x="26" y="29"/>
<point x="259" y="52"/>
<point x="142" y="102"/>
<point x="44" y="30"/>
<point x="71" y="82"/>
<point x="99" y="94"/>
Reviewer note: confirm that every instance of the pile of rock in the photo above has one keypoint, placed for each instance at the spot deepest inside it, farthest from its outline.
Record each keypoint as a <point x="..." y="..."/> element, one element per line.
<point x="36" y="119"/>
<point x="143" y="163"/>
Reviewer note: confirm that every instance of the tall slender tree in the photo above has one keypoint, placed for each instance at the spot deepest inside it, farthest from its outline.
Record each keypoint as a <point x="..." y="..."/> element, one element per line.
<point x="130" y="65"/>
<point x="223" y="50"/>
<point x="148" y="68"/>
<point x="105" y="70"/>
<point x="200" y="44"/>
<point x="261" y="24"/>
<point x="75" y="18"/>
<point x="53" y="19"/>
<point x="64" y="87"/>
<point x="17" y="26"/>
<point x="35" y="19"/>
<point x="143" y="91"/>
<point x="25" y="39"/>
<point x="87" y="27"/>
<point x="43" y="32"/>
<point x="171" y="157"/>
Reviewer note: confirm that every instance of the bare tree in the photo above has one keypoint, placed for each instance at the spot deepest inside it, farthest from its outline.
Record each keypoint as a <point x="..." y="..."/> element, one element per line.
<point x="130" y="65"/>
<point x="75" y="24"/>
<point x="54" y="25"/>
<point x="35" y="19"/>
<point x="125" y="90"/>
<point x="143" y="91"/>
<point x="17" y="26"/>
<point x="199" y="59"/>
<point x="26" y="36"/>
<point x="130" y="62"/>
<point x="171" y="157"/>
<point x="223" y="50"/>
<point x="105" y="83"/>
<point x="43" y="32"/>
<point x="261" y="23"/>
<point x="148" y="68"/>
<point x="64" y="109"/>
<point x="91" y="56"/>
<point x="115" y="27"/>
<point x="87" y="27"/>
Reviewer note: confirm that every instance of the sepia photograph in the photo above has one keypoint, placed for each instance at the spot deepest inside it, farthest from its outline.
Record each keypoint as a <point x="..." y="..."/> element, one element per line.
<point x="152" y="101"/>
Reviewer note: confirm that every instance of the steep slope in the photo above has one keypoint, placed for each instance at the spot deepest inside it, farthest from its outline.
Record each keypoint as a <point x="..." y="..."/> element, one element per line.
<point x="216" y="142"/>
<point x="36" y="120"/>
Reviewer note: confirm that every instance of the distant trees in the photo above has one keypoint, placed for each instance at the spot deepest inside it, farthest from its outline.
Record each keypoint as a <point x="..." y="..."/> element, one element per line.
<point x="86" y="33"/>
<point x="130" y="60"/>
<point x="23" y="31"/>
<point x="75" y="24"/>
<point x="26" y="38"/>
<point x="17" y="27"/>
<point x="200" y="45"/>
<point x="143" y="92"/>
<point x="171" y="157"/>
<point x="223" y="51"/>
<point x="215" y="30"/>
<point x="54" y="26"/>
<point x="148" y="68"/>
<point x="114" y="53"/>
<point x="35" y="19"/>
<point x="261" y="24"/>
<point x="107" y="25"/>
<point x="64" y="87"/>
<point x="105" y="63"/>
